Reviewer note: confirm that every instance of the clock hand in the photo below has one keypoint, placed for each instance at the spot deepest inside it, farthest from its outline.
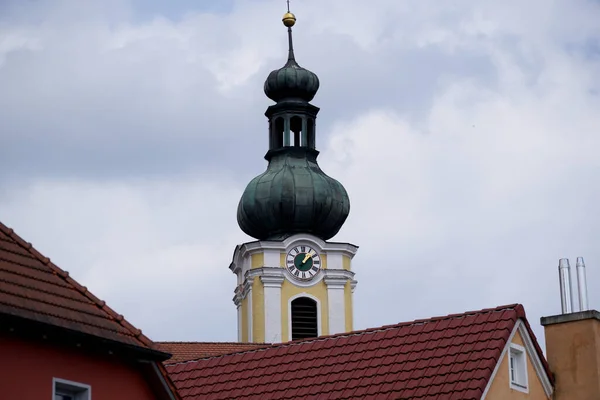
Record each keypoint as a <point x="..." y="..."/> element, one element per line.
<point x="306" y="257"/>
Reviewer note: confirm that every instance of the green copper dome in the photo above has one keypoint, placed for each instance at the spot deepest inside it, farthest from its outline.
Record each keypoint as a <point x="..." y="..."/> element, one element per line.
<point x="293" y="196"/>
<point x="291" y="82"/>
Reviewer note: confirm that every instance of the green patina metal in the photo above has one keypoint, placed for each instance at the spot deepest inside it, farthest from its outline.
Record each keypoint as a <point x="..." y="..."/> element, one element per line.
<point x="293" y="195"/>
<point x="291" y="81"/>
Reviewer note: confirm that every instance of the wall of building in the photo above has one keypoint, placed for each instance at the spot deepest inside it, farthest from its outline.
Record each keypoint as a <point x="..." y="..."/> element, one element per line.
<point x="28" y="368"/>
<point x="573" y="349"/>
<point x="500" y="388"/>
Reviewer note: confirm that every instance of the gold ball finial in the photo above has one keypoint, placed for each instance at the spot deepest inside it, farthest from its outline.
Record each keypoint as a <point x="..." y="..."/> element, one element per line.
<point x="289" y="19"/>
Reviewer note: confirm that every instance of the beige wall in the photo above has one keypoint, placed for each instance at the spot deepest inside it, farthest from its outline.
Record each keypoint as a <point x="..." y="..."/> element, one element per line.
<point x="573" y="350"/>
<point x="500" y="388"/>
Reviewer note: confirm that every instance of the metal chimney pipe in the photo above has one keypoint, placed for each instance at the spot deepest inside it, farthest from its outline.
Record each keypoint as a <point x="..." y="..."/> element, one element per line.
<point x="564" y="278"/>
<point x="582" y="285"/>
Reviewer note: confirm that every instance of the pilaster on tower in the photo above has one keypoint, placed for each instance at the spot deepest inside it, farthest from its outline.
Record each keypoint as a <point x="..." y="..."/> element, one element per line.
<point x="292" y="283"/>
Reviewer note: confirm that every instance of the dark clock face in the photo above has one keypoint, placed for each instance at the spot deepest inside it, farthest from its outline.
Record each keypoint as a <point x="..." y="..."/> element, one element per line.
<point x="303" y="262"/>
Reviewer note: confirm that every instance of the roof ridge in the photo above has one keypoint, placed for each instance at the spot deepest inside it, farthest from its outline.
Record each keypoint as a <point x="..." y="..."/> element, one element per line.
<point x="515" y="306"/>
<point x="137" y="333"/>
<point x="408" y="323"/>
<point x="234" y="343"/>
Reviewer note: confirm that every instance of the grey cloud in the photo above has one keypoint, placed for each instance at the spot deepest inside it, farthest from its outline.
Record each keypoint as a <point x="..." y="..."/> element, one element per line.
<point x="478" y="175"/>
<point x="80" y="105"/>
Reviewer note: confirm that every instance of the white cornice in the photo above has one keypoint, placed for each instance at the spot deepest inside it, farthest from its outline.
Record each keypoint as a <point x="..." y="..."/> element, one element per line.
<point x="339" y="274"/>
<point x="272" y="281"/>
<point x="237" y="295"/>
<point x="335" y="282"/>
<point x="246" y="288"/>
<point x="235" y="264"/>
<point x="264" y="271"/>
<point x="257" y="246"/>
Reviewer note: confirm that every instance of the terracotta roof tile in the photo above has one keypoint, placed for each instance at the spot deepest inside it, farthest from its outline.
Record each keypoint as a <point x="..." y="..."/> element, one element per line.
<point x="32" y="287"/>
<point x="186" y="351"/>
<point x="444" y="357"/>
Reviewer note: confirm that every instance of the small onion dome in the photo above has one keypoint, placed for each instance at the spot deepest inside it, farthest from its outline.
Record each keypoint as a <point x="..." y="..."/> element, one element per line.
<point x="292" y="81"/>
<point x="293" y="196"/>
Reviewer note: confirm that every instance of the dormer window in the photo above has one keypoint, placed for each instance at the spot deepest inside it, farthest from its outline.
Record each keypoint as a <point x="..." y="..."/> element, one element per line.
<point x="517" y="367"/>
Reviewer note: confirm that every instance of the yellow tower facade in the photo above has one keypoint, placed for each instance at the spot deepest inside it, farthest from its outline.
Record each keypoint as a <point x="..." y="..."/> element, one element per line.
<point x="292" y="282"/>
<point x="296" y="288"/>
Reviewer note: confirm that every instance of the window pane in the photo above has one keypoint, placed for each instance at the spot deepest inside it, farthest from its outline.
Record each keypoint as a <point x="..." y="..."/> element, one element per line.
<point x="512" y="369"/>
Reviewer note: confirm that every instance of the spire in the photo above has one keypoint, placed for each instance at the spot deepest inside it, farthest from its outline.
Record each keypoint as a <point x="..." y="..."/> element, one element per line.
<point x="289" y="20"/>
<point x="293" y="195"/>
<point x="291" y="82"/>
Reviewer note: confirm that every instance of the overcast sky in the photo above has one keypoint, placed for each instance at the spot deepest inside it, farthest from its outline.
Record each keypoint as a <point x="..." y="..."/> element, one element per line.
<point x="465" y="132"/>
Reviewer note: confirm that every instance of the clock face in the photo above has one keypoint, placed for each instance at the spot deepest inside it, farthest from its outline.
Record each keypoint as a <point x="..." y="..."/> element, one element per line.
<point x="303" y="262"/>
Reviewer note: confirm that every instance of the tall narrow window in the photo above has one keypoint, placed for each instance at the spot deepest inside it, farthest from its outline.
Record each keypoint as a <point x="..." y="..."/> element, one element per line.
<point x="517" y="367"/>
<point x="304" y="318"/>
<point x="277" y="133"/>
<point x="296" y="128"/>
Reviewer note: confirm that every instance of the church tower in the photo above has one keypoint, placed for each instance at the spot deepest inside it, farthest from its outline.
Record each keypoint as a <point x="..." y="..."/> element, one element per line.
<point x="292" y="282"/>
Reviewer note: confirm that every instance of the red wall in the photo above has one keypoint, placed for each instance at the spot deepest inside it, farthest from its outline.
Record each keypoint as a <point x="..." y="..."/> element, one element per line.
<point x="27" y="369"/>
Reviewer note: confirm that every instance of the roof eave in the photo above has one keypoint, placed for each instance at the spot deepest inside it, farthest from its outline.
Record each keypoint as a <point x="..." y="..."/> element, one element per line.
<point x="29" y="329"/>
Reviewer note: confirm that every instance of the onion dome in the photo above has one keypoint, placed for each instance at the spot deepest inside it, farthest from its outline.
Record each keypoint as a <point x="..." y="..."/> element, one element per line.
<point x="293" y="196"/>
<point x="291" y="81"/>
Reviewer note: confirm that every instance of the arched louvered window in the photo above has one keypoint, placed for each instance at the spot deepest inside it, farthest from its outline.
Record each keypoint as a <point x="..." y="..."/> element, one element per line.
<point x="304" y="318"/>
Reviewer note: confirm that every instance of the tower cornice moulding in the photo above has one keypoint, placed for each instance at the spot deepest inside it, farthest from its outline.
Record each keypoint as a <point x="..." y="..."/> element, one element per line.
<point x="272" y="281"/>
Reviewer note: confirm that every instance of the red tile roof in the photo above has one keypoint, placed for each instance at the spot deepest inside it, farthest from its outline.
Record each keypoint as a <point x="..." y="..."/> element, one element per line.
<point x="186" y="351"/>
<point x="33" y="288"/>
<point x="449" y="357"/>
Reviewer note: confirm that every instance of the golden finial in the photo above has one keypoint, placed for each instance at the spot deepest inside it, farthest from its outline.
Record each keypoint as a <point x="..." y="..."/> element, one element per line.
<point x="289" y="19"/>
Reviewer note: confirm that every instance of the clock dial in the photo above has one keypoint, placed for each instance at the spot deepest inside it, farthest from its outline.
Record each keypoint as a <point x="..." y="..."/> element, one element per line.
<point x="303" y="262"/>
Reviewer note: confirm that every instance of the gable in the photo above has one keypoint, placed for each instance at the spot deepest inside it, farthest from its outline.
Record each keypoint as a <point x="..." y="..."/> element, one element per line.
<point x="538" y="387"/>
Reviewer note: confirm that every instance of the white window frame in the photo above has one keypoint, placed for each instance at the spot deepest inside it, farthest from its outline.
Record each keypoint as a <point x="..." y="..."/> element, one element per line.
<point x="517" y="368"/>
<point x="79" y="391"/>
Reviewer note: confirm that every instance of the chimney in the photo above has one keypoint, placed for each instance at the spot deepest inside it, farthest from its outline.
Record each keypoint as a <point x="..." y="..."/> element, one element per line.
<point x="573" y="340"/>
<point x="566" y="291"/>
<point x="582" y="285"/>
